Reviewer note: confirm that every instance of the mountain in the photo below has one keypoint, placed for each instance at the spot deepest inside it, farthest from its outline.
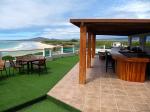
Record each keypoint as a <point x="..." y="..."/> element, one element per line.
<point x="39" y="39"/>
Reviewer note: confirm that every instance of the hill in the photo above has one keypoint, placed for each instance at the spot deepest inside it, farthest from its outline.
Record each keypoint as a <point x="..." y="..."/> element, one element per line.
<point x="39" y="39"/>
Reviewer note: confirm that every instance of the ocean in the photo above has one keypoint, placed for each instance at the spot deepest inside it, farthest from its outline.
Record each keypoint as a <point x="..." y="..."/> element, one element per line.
<point x="18" y="45"/>
<point x="14" y="47"/>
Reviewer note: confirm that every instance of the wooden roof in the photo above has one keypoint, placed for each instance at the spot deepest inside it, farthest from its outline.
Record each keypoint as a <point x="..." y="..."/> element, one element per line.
<point x="122" y="27"/>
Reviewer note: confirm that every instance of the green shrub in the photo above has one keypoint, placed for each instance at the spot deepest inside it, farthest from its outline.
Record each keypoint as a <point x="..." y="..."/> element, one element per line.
<point x="8" y="57"/>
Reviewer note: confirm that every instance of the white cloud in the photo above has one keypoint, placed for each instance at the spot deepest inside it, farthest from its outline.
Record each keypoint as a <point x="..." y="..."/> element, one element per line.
<point x="133" y="9"/>
<point x="61" y="33"/>
<point x="135" y="6"/>
<point x="46" y="14"/>
<point x="26" y="13"/>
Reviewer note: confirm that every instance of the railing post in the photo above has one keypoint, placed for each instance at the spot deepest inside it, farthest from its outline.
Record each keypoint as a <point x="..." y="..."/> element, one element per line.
<point x="104" y="47"/>
<point x="50" y="53"/>
<point x="44" y="52"/>
<point x="62" y="50"/>
<point x="73" y="49"/>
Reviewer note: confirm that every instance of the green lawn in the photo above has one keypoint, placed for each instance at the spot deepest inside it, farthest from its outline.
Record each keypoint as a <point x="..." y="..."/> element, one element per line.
<point x="22" y="88"/>
<point x="44" y="106"/>
<point x="48" y="105"/>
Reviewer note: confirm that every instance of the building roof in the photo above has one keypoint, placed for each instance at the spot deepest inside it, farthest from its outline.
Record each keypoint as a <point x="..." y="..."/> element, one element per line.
<point x="120" y="27"/>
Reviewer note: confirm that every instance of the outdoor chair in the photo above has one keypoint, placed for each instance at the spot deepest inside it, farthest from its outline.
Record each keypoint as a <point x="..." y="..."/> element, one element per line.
<point x="2" y="66"/>
<point x="6" y="59"/>
<point x="101" y="55"/>
<point x="19" y="61"/>
<point x="110" y="63"/>
<point x="41" y="65"/>
<point x="15" y="66"/>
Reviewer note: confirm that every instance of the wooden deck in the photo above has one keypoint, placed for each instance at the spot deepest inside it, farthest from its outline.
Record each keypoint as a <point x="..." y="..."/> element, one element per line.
<point x="103" y="92"/>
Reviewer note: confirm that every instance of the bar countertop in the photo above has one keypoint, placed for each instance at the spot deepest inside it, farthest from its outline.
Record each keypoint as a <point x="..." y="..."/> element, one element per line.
<point x="129" y="56"/>
<point x="130" y="68"/>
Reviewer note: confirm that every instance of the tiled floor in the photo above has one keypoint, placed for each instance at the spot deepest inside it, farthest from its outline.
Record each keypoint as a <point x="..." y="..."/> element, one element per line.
<point x="104" y="92"/>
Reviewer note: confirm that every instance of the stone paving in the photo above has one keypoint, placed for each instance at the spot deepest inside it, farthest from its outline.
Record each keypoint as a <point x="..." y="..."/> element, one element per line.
<point x="103" y="92"/>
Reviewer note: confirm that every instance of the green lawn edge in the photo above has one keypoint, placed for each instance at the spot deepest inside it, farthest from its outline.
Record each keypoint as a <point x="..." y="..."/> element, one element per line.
<point x="50" y="87"/>
<point x="62" y="104"/>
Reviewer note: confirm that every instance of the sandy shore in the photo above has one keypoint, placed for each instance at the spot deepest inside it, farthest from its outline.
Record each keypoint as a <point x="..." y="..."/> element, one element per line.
<point x="42" y="46"/>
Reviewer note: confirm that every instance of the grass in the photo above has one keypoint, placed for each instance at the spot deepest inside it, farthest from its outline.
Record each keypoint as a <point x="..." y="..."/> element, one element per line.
<point x="61" y="42"/>
<point x="49" y="105"/>
<point x="22" y="88"/>
<point x="108" y="43"/>
<point x="44" y="106"/>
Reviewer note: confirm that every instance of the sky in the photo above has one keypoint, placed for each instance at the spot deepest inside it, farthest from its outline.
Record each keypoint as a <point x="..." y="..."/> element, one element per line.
<point x="23" y="19"/>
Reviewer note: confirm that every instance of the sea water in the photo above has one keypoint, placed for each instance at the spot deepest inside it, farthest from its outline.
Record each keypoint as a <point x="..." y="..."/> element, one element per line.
<point x="8" y="44"/>
<point x="18" y="45"/>
<point x="16" y="48"/>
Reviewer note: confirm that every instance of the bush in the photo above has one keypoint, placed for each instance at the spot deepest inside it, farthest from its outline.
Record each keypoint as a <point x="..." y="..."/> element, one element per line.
<point x="8" y="57"/>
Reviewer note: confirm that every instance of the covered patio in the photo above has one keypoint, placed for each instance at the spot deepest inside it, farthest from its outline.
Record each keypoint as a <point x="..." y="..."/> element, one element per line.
<point x="88" y="87"/>
<point x="89" y="28"/>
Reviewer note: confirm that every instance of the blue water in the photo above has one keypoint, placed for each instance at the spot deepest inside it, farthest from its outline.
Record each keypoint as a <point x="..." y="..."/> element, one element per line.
<point x="8" y="44"/>
<point x="14" y="46"/>
<point x="17" y="45"/>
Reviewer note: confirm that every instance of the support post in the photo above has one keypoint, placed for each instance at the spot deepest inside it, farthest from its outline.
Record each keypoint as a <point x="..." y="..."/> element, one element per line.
<point x="82" y="63"/>
<point x="142" y="41"/>
<point x="89" y="51"/>
<point x="129" y="41"/>
<point x="93" y="45"/>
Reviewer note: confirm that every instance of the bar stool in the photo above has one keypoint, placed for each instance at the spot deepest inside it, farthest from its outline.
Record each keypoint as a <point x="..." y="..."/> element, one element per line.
<point x="110" y="63"/>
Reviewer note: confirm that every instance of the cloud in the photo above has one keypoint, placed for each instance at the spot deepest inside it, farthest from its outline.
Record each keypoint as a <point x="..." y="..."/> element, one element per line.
<point x="26" y="13"/>
<point x="133" y="9"/>
<point x="50" y="18"/>
<point x="61" y="33"/>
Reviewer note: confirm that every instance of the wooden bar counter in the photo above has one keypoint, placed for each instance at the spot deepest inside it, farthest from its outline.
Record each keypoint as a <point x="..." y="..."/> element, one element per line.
<point x="130" y="69"/>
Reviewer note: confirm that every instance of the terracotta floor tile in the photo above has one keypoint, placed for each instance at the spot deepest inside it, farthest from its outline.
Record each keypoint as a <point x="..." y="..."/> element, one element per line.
<point x="105" y="109"/>
<point x="124" y="111"/>
<point x="103" y="92"/>
<point x="141" y="107"/>
<point x="120" y="92"/>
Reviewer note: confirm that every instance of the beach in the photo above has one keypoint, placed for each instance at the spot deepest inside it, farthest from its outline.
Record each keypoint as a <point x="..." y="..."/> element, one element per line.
<point x="22" y="48"/>
<point x="24" y="45"/>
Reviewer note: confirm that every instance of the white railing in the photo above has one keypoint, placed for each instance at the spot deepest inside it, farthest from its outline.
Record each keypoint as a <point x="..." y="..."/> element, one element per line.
<point x="47" y="52"/>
